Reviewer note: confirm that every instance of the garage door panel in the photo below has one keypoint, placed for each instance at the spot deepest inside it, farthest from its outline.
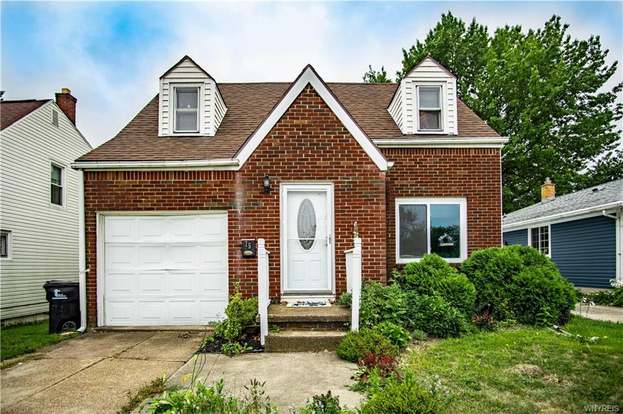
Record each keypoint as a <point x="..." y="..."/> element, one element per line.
<point x="165" y="270"/>
<point x="120" y="257"/>
<point x="121" y="283"/>
<point x="211" y="310"/>
<point x="120" y="229"/>
<point x="151" y="283"/>
<point x="151" y="229"/>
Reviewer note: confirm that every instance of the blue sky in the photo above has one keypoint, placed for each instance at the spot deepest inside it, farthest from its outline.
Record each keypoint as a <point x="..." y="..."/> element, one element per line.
<point x="110" y="54"/>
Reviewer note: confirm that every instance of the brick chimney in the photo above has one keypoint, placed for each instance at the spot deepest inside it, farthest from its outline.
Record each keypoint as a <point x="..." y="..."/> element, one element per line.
<point x="548" y="190"/>
<point x="67" y="102"/>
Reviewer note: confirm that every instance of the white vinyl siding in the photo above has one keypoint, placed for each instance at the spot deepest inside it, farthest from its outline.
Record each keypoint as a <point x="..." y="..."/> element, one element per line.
<point x="44" y="238"/>
<point x="211" y="106"/>
<point x="404" y="109"/>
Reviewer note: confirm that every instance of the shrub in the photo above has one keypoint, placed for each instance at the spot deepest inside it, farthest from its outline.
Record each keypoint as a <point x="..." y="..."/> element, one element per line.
<point x="345" y="299"/>
<point x="229" y="334"/>
<point x="396" y="334"/>
<point x="213" y="399"/>
<point x="323" y="404"/>
<point x="419" y="335"/>
<point x="382" y="303"/>
<point x="493" y="272"/>
<point x="434" y="276"/>
<point x="540" y="295"/>
<point x="357" y="345"/>
<point x="404" y="396"/>
<point x="435" y="316"/>
<point x="613" y="297"/>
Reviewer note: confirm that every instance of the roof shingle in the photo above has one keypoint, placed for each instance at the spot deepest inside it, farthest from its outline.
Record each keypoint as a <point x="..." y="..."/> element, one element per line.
<point x="13" y="111"/>
<point x="591" y="197"/>
<point x="248" y="105"/>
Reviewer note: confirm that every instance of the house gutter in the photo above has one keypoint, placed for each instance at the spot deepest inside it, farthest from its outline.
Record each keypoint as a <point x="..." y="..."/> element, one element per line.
<point x="442" y="142"/>
<point x="570" y="214"/>
<point x="222" y="164"/>
<point x="82" y="269"/>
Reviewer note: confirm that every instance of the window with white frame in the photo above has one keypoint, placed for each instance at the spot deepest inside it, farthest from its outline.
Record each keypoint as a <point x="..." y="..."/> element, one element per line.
<point x="429" y="108"/>
<point x="56" y="184"/>
<point x="431" y="226"/>
<point x="186" y="109"/>
<point x="539" y="239"/>
<point x="5" y="244"/>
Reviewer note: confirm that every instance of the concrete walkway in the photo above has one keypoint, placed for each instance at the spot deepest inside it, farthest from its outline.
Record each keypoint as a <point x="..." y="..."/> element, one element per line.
<point x="96" y="373"/>
<point x="600" y="313"/>
<point x="290" y="378"/>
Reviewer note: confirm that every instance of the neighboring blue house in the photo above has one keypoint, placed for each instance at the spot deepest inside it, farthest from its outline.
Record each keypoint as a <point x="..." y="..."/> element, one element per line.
<point x="581" y="232"/>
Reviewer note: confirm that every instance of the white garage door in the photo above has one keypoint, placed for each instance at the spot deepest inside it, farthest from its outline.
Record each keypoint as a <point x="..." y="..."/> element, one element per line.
<point x="165" y="270"/>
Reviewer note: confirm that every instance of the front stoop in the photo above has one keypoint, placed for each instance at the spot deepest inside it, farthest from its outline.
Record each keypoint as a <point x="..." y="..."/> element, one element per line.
<point x="306" y="329"/>
<point x="303" y="341"/>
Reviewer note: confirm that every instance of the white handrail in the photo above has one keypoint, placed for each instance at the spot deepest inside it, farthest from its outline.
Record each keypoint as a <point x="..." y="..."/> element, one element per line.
<point x="353" y="281"/>
<point x="263" y="299"/>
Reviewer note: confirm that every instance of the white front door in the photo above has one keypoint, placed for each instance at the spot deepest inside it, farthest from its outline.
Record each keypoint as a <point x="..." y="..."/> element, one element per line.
<point x="307" y="239"/>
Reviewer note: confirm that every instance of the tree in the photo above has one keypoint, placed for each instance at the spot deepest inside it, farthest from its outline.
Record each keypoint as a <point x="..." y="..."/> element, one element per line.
<point x="542" y="89"/>
<point x="374" y="76"/>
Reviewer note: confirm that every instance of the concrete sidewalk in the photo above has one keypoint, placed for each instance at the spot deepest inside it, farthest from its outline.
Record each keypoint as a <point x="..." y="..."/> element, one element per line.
<point x="290" y="378"/>
<point x="600" y="313"/>
<point x="96" y="373"/>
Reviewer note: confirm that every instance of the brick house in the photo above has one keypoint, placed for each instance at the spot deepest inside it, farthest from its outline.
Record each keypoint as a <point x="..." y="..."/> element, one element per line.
<point x="206" y="168"/>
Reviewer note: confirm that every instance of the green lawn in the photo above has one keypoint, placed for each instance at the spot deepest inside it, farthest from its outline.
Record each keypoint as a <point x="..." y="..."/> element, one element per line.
<point x="527" y="370"/>
<point x="23" y="339"/>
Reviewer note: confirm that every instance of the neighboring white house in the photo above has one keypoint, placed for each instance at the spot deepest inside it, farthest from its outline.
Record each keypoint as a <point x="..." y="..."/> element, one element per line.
<point x="38" y="200"/>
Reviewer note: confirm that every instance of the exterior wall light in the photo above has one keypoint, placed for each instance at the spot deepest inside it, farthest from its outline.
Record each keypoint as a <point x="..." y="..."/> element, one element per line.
<point x="266" y="182"/>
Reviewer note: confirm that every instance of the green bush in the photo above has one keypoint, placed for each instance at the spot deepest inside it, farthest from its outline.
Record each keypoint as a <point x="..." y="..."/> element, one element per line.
<point x="434" y="276"/>
<point x="382" y="303"/>
<point x="404" y="396"/>
<point x="540" y="295"/>
<point x="493" y="271"/>
<point x="241" y="314"/>
<point x="201" y="398"/>
<point x="396" y="334"/>
<point x="357" y="345"/>
<point x="435" y="316"/>
<point x="323" y="404"/>
<point x="345" y="299"/>
<point x="612" y="297"/>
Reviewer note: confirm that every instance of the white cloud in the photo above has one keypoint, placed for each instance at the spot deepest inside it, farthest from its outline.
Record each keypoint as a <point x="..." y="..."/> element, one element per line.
<point x="235" y="42"/>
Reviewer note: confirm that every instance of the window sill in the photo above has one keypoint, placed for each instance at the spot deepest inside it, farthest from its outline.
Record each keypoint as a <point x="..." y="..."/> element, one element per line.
<point x="415" y="260"/>
<point x="57" y="207"/>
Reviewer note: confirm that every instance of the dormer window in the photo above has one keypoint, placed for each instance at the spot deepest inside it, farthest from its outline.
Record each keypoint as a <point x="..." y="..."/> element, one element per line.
<point x="186" y="109"/>
<point x="429" y="108"/>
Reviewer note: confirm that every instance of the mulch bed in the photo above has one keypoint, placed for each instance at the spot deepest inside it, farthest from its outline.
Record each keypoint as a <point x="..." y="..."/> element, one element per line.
<point x="250" y="338"/>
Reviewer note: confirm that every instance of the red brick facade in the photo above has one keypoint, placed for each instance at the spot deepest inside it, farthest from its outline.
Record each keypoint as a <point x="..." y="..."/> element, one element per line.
<point x="309" y="143"/>
<point x="473" y="173"/>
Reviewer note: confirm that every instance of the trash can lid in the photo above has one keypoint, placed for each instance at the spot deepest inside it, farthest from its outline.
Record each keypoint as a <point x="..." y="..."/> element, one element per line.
<point x="57" y="283"/>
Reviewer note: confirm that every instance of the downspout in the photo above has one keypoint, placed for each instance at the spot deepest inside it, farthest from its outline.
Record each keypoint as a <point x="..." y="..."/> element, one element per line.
<point x="82" y="255"/>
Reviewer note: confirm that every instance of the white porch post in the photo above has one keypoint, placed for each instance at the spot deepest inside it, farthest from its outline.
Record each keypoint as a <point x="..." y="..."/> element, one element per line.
<point x="263" y="299"/>
<point x="355" y="279"/>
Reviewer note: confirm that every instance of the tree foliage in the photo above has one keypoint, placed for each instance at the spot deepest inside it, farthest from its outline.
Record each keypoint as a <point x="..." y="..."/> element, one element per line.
<point x="542" y="89"/>
<point x="376" y="76"/>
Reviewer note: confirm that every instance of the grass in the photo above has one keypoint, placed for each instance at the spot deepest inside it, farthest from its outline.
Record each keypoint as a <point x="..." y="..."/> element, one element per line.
<point x="527" y="370"/>
<point x="23" y="339"/>
<point x="155" y="387"/>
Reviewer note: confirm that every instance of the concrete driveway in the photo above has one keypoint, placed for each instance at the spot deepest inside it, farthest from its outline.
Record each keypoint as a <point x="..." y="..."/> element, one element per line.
<point x="290" y="378"/>
<point x="96" y="373"/>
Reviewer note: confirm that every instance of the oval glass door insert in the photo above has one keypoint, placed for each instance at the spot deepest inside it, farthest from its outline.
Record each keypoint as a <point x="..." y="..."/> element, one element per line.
<point x="306" y="224"/>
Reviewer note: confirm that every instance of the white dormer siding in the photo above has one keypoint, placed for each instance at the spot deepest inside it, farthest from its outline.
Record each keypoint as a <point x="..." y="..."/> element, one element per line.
<point x="211" y="106"/>
<point x="404" y="106"/>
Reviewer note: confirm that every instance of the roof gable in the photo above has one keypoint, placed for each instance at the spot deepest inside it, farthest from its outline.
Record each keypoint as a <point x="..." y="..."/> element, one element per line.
<point x="13" y="111"/>
<point x="190" y="61"/>
<point x="310" y="77"/>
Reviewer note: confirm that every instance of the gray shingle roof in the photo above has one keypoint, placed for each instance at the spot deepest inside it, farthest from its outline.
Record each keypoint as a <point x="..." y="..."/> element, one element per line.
<point x="591" y="197"/>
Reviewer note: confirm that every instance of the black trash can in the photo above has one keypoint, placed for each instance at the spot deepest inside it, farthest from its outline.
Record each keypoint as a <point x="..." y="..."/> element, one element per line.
<point x="64" y="300"/>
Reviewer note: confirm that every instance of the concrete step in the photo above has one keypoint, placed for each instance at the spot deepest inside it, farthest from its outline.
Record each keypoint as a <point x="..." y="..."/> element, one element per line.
<point x="330" y="318"/>
<point x="303" y="341"/>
